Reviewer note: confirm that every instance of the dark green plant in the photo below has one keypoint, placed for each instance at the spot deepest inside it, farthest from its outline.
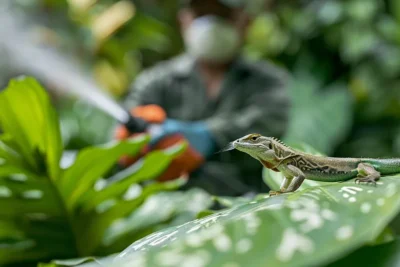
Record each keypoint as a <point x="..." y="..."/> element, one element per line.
<point x="49" y="212"/>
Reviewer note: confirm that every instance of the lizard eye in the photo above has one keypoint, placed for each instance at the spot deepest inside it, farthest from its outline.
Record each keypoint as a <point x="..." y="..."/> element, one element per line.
<point x="254" y="138"/>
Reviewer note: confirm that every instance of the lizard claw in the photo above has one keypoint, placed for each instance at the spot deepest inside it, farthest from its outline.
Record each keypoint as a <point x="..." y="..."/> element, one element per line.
<point x="274" y="193"/>
<point x="368" y="180"/>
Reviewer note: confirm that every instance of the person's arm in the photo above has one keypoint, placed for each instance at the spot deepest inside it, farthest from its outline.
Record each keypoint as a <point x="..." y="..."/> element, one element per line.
<point x="266" y="111"/>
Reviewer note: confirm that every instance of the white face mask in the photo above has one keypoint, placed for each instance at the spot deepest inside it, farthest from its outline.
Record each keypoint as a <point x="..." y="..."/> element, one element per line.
<point x="212" y="39"/>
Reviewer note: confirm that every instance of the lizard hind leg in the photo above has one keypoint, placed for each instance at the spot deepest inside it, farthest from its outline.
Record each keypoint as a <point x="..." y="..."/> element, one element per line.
<point x="367" y="174"/>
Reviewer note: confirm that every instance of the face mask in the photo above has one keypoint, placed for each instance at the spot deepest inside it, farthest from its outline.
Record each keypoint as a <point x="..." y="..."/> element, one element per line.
<point x="212" y="39"/>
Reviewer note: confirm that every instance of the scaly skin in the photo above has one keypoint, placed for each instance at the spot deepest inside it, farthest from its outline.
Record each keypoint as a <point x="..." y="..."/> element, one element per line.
<point x="297" y="166"/>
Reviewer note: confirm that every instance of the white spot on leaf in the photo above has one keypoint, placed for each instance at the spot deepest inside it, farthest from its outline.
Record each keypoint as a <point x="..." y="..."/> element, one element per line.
<point x="350" y="190"/>
<point x="19" y="177"/>
<point x="100" y="184"/>
<point x="5" y="192"/>
<point x="133" y="192"/>
<point x="243" y="246"/>
<point x="169" y="257"/>
<point x="197" y="239"/>
<point x="328" y="214"/>
<point x="309" y="212"/>
<point x="105" y="205"/>
<point x="32" y="194"/>
<point x="222" y="243"/>
<point x="292" y="242"/>
<point x="194" y="240"/>
<point x="176" y="258"/>
<point x="391" y="190"/>
<point x="344" y="232"/>
<point x="199" y="259"/>
<point x="352" y="199"/>
<point x="365" y="208"/>
<point x="380" y="202"/>
<point x="252" y="223"/>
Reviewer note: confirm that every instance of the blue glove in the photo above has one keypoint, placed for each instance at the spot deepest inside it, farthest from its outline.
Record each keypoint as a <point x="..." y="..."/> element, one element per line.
<point x="196" y="133"/>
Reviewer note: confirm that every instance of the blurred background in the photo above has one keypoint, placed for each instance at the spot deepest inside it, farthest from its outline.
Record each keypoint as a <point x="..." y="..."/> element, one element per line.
<point x="341" y="54"/>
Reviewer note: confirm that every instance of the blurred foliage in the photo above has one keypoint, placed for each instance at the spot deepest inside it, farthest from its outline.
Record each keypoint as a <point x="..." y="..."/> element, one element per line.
<point x="319" y="117"/>
<point x="86" y="208"/>
<point x="355" y="43"/>
<point x="332" y="45"/>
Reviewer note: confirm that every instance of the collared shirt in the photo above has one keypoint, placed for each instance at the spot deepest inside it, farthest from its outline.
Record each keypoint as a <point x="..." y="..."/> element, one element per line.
<point x="253" y="99"/>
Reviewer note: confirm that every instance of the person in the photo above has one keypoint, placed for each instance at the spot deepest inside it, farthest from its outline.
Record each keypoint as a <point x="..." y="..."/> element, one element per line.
<point x="212" y="95"/>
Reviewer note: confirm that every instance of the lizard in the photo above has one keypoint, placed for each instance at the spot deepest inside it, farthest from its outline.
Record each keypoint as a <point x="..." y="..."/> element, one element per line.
<point x="296" y="166"/>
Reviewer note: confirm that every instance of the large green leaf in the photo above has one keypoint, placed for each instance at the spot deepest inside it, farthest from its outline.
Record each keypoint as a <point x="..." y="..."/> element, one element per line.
<point x="310" y="227"/>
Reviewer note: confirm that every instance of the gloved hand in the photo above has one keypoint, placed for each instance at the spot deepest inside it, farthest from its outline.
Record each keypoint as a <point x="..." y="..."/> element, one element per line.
<point x="196" y="133"/>
<point x="171" y="132"/>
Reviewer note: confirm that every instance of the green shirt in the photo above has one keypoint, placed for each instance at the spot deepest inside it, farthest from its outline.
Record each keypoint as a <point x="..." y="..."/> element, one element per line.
<point x="253" y="99"/>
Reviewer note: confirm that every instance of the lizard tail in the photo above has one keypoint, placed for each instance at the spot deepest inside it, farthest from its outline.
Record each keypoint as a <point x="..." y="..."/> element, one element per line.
<point x="384" y="166"/>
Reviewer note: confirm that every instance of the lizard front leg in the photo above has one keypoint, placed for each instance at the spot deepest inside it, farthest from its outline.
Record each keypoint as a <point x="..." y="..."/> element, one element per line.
<point x="291" y="184"/>
<point x="367" y="174"/>
<point x="284" y="186"/>
<point x="299" y="178"/>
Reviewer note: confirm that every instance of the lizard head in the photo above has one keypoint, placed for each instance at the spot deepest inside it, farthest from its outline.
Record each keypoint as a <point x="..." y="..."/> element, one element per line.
<point x="257" y="146"/>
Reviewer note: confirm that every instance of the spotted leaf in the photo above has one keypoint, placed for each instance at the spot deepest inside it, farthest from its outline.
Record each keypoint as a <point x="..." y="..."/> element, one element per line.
<point x="310" y="227"/>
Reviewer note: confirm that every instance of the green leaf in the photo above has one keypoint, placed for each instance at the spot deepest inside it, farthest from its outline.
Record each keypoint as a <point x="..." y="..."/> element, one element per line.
<point x="100" y="222"/>
<point x="94" y="162"/>
<point x="147" y="168"/>
<point x="33" y="124"/>
<point x="9" y="156"/>
<point x="310" y="227"/>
